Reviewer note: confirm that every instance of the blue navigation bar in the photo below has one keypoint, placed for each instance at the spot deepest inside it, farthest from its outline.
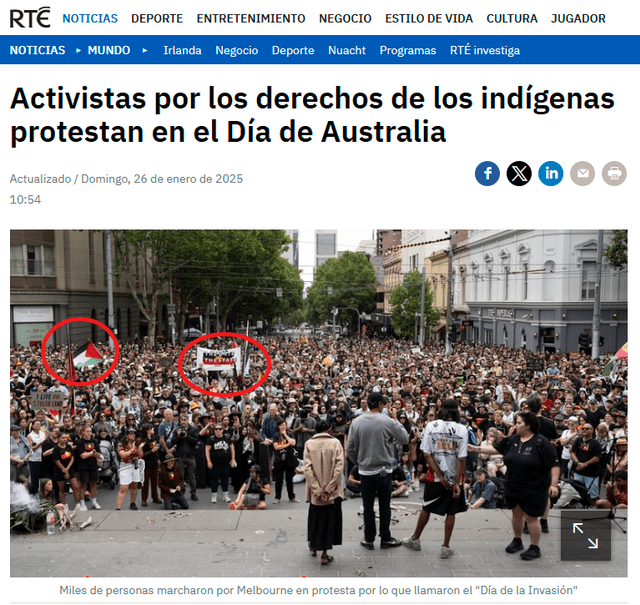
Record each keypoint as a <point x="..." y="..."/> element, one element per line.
<point x="311" y="50"/>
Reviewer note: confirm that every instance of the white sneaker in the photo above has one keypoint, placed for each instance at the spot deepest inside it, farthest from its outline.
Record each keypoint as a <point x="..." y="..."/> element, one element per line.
<point x="94" y="504"/>
<point x="214" y="499"/>
<point x="411" y="543"/>
<point x="226" y="498"/>
<point x="82" y="505"/>
<point x="445" y="552"/>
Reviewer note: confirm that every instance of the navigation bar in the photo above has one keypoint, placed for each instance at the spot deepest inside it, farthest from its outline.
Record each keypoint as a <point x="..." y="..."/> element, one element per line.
<point x="374" y="50"/>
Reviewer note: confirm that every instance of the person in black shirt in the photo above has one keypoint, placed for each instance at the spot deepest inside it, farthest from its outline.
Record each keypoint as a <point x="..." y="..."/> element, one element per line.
<point x="186" y="442"/>
<point x="48" y="446"/>
<point x="220" y="455"/>
<point x="548" y="430"/>
<point x="594" y="412"/>
<point x="533" y="472"/>
<point x="586" y="454"/>
<point x="63" y="469"/>
<point x="150" y="449"/>
<point x="88" y="459"/>
<point x="255" y="485"/>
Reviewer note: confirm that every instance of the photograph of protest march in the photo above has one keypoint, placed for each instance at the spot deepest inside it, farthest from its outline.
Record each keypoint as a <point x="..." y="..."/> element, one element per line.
<point x="319" y="403"/>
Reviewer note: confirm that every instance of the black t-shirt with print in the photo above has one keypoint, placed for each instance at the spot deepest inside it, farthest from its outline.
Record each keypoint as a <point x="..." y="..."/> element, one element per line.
<point x="528" y="463"/>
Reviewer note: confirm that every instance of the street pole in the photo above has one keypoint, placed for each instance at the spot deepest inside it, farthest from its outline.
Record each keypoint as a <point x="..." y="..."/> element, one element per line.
<point x="595" y="335"/>
<point x="172" y="317"/>
<point x="217" y="312"/>
<point x="449" y="311"/>
<point x="110" y="288"/>
<point x="422" y="296"/>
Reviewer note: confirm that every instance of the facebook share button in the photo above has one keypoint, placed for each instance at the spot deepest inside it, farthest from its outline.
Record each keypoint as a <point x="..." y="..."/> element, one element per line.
<point x="550" y="173"/>
<point x="487" y="173"/>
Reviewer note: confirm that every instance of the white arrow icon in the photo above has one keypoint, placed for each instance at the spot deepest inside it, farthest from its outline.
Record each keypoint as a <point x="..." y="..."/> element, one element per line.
<point x="78" y="50"/>
<point x="144" y="50"/>
<point x="593" y="544"/>
<point x="576" y="526"/>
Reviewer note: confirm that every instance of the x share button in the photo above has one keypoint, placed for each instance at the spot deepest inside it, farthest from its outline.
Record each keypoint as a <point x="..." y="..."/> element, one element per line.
<point x="519" y="174"/>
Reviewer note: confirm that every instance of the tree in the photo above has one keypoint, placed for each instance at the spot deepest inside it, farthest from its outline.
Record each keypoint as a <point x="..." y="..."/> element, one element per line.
<point x="144" y="259"/>
<point x="616" y="251"/>
<point x="243" y="272"/>
<point x="405" y="300"/>
<point x="348" y="281"/>
<point x="277" y="293"/>
<point x="241" y="269"/>
<point x="250" y="275"/>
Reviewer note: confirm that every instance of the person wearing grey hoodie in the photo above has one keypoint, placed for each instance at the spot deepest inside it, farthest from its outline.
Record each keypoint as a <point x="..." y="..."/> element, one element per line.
<point x="371" y="445"/>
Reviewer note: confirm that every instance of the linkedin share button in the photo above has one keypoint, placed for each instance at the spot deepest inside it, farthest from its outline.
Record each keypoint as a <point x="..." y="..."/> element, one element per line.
<point x="550" y="174"/>
<point x="487" y="174"/>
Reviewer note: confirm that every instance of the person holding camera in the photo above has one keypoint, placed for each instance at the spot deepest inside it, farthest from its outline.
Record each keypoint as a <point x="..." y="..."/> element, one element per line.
<point x="305" y="428"/>
<point x="285" y="460"/>
<point x="186" y="440"/>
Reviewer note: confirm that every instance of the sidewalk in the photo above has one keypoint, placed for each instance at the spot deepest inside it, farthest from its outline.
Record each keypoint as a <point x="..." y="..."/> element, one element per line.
<point x="209" y="541"/>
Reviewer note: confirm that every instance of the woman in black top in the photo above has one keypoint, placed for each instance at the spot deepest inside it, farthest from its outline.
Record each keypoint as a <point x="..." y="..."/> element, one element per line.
<point x="150" y="447"/>
<point x="88" y="461"/>
<point x="284" y="460"/>
<point x="63" y="469"/>
<point x="220" y="455"/>
<point x="533" y="472"/>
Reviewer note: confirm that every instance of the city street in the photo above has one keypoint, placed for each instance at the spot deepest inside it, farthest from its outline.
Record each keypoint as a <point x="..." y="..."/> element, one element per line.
<point x="211" y="541"/>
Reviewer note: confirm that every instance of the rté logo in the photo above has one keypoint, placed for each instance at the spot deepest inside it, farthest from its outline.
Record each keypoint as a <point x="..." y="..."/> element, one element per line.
<point x="34" y="16"/>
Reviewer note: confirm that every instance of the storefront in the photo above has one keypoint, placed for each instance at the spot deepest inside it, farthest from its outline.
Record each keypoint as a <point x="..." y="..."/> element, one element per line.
<point x="31" y="324"/>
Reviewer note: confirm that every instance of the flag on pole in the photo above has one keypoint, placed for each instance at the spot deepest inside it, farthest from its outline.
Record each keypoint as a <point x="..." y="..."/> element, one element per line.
<point x="613" y="362"/>
<point x="72" y="373"/>
<point x="246" y="360"/>
<point x="246" y="356"/>
<point x="87" y="355"/>
<point x="72" y="370"/>
<point x="623" y="352"/>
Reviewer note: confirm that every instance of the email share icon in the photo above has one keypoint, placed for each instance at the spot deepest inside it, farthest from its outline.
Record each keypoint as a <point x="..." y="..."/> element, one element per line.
<point x="582" y="173"/>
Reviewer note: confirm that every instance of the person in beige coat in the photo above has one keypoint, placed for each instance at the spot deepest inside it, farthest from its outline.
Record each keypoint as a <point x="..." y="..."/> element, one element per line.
<point x="323" y="472"/>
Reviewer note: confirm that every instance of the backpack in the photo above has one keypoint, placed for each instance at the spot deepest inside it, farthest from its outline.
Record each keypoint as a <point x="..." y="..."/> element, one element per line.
<point x="499" y="483"/>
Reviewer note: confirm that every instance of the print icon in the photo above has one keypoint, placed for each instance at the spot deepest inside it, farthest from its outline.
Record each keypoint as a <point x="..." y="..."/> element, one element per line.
<point x="614" y="174"/>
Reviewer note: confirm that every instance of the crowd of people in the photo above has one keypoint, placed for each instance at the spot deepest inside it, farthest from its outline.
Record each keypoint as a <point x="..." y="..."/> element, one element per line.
<point x="144" y="426"/>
